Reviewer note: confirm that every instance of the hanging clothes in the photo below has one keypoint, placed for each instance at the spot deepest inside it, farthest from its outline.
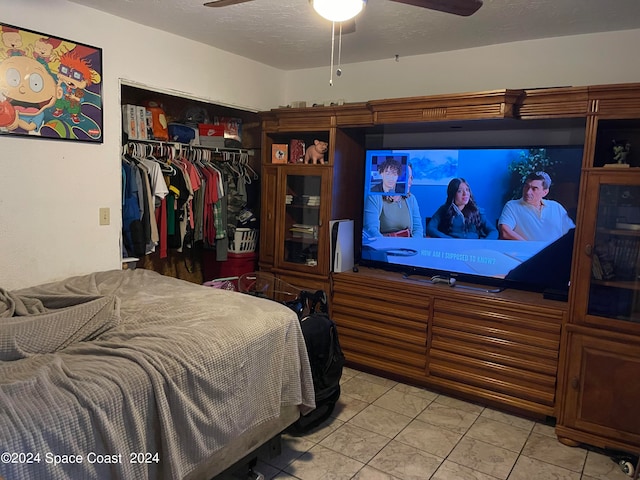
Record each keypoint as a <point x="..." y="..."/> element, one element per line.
<point x="172" y="199"/>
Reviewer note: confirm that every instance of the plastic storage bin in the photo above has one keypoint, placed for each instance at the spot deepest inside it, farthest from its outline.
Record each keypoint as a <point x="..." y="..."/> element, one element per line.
<point x="235" y="265"/>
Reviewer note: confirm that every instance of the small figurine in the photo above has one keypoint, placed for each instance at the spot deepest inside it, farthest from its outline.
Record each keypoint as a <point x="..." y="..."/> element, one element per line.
<point x="315" y="153"/>
<point x="621" y="151"/>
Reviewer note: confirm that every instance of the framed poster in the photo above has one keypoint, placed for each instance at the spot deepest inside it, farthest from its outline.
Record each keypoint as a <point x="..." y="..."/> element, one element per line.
<point x="50" y="87"/>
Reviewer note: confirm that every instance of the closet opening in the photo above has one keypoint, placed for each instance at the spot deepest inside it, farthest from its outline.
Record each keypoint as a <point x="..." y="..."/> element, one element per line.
<point x="191" y="185"/>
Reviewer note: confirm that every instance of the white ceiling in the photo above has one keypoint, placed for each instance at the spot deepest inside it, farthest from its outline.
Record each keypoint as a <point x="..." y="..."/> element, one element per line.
<point x="289" y="35"/>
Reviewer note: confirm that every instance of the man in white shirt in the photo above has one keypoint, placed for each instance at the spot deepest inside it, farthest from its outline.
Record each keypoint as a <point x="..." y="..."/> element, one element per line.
<point x="532" y="217"/>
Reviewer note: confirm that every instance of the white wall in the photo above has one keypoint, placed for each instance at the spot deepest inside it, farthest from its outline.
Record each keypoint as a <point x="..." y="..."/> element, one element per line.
<point x="51" y="191"/>
<point x="573" y="60"/>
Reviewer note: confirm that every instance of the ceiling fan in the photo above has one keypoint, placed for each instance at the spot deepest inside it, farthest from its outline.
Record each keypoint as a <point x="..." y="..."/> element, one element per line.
<point x="344" y="17"/>
<point x="456" y="7"/>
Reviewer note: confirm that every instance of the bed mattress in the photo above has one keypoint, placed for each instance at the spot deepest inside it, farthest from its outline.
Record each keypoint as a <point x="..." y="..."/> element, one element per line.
<point x="181" y="372"/>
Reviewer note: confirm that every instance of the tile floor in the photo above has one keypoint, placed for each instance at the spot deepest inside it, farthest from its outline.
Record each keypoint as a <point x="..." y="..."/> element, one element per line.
<point x="384" y="430"/>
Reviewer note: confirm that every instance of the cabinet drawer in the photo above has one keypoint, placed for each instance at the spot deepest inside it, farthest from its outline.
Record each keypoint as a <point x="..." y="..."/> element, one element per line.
<point x="527" y="320"/>
<point x="375" y="345"/>
<point x="503" y="348"/>
<point x="390" y="352"/>
<point x="392" y="314"/>
<point x="382" y="328"/>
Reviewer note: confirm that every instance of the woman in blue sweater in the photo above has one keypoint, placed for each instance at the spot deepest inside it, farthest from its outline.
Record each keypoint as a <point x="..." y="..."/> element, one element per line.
<point x="460" y="217"/>
<point x="392" y="215"/>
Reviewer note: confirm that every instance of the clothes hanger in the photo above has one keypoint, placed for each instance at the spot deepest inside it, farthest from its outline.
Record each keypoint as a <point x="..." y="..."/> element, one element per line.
<point x="230" y="159"/>
<point x="244" y="158"/>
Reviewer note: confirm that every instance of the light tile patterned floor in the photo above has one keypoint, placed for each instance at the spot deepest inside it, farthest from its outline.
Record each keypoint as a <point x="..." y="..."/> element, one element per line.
<point x="384" y="430"/>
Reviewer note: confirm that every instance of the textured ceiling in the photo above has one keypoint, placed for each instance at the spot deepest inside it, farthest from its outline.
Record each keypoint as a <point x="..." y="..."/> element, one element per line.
<point x="289" y="35"/>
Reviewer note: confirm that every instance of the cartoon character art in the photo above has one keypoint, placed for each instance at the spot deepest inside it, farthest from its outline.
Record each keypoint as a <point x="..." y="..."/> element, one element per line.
<point x="74" y="75"/>
<point x="43" y="49"/>
<point x="12" y="40"/>
<point x="27" y="90"/>
<point x="49" y="86"/>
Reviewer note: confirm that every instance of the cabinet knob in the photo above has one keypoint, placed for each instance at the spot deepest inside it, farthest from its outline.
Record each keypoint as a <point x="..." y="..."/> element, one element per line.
<point x="588" y="249"/>
<point x="575" y="383"/>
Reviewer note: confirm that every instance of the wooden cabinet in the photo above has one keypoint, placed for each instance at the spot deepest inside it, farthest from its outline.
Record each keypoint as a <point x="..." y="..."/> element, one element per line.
<point x="600" y="392"/>
<point x="578" y="361"/>
<point x="500" y="349"/>
<point x="299" y="200"/>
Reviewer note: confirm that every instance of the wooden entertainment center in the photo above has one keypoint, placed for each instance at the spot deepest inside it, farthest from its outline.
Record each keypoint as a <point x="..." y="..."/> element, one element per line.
<point x="576" y="361"/>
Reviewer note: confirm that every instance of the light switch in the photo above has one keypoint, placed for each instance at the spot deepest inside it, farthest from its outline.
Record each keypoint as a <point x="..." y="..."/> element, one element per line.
<point x="105" y="216"/>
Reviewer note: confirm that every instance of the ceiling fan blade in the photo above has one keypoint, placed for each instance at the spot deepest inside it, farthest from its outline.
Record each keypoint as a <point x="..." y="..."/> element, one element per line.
<point x="457" y="7"/>
<point x="349" y="26"/>
<point x="224" y="3"/>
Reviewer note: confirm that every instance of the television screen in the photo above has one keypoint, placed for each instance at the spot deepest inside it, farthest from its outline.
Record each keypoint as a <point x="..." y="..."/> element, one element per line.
<point x="450" y="212"/>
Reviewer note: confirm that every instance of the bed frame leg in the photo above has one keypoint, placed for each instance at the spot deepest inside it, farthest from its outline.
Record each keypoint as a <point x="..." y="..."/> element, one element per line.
<point x="254" y="475"/>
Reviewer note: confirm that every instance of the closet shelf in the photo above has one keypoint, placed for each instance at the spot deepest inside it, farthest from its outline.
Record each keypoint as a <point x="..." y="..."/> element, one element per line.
<point x="250" y="152"/>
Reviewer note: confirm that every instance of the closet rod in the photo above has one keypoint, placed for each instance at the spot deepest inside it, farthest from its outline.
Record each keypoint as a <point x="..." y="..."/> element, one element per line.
<point x="249" y="152"/>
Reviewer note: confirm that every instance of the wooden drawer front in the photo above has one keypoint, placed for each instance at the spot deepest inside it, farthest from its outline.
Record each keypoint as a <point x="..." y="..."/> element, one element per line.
<point x="310" y="284"/>
<point x="382" y="329"/>
<point x="512" y="351"/>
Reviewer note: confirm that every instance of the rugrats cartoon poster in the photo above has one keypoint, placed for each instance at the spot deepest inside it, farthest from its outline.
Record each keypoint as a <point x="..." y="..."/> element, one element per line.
<point x="49" y="87"/>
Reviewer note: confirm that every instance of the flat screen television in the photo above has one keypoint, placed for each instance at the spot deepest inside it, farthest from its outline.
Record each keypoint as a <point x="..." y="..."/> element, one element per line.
<point x="495" y="176"/>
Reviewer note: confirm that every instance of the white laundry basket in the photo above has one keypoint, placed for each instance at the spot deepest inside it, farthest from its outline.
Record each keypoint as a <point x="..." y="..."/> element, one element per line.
<point x="244" y="240"/>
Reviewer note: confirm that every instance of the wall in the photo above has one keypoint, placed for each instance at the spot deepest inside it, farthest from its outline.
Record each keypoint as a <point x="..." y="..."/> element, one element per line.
<point x="51" y="191"/>
<point x="573" y="60"/>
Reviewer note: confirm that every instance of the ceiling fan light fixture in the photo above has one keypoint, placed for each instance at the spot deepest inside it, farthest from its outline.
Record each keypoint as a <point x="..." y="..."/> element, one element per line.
<point x="338" y="10"/>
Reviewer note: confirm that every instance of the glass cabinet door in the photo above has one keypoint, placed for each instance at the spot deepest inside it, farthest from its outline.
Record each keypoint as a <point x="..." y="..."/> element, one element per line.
<point x="614" y="290"/>
<point x="302" y="220"/>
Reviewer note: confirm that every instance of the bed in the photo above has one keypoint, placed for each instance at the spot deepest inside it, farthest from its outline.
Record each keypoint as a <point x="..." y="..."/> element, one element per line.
<point x="134" y="375"/>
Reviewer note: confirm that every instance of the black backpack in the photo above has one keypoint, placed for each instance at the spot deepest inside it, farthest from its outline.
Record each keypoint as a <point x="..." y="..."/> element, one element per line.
<point x="326" y="359"/>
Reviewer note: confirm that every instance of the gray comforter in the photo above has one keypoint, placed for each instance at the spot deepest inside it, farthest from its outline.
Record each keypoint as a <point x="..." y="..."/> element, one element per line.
<point x="130" y="374"/>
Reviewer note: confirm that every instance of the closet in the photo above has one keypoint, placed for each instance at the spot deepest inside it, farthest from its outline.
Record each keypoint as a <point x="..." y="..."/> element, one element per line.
<point x="186" y="206"/>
